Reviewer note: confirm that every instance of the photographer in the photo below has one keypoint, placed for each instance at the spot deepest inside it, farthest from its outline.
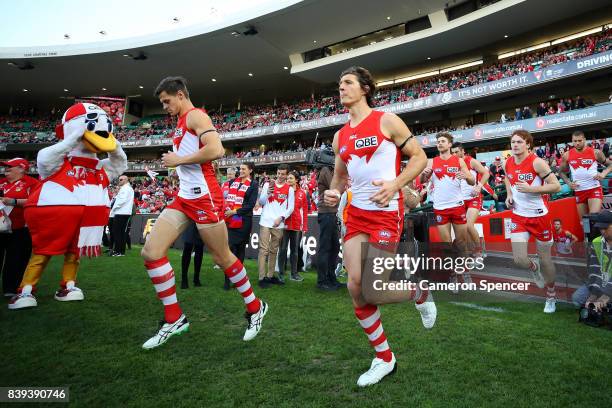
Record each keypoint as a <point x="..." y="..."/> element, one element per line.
<point x="599" y="265"/>
<point x="329" y="243"/>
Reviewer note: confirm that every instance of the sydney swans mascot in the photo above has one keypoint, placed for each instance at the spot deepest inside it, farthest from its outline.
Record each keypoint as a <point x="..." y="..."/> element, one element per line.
<point x="69" y="211"/>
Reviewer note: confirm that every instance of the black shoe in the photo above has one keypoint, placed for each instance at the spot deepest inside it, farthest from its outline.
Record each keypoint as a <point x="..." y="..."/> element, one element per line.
<point x="263" y="283"/>
<point x="326" y="287"/>
<point x="296" y="278"/>
<point x="276" y="281"/>
<point x="197" y="283"/>
<point x="184" y="284"/>
<point x="226" y="284"/>
<point x="338" y="284"/>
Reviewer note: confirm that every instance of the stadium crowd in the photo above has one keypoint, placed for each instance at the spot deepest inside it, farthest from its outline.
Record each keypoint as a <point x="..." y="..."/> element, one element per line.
<point x="25" y="127"/>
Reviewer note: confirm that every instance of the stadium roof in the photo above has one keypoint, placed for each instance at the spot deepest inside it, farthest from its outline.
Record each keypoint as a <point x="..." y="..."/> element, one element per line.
<point x="263" y="46"/>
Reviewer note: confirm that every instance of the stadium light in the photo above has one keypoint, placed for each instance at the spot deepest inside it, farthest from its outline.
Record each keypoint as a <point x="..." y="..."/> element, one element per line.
<point x="285" y="67"/>
<point x="140" y="86"/>
<point x="417" y="76"/>
<point x="104" y="89"/>
<point x="457" y="67"/>
<point x="250" y="74"/>
<point x="383" y="83"/>
<point x="65" y="90"/>
<point x="524" y="50"/>
<point x="577" y="35"/>
<point x="25" y="90"/>
<point x="214" y="79"/>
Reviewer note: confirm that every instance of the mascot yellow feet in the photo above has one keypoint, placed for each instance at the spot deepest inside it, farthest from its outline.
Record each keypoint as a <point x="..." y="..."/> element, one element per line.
<point x="68" y="291"/>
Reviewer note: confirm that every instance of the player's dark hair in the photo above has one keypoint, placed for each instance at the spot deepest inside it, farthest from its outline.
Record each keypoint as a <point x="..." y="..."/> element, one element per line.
<point x="171" y="85"/>
<point x="250" y="165"/>
<point x="366" y="81"/>
<point x="578" y="133"/>
<point x="284" y="167"/>
<point x="458" y="145"/>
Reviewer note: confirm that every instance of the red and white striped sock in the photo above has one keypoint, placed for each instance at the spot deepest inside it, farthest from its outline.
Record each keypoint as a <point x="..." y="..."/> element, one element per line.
<point x="238" y="276"/>
<point x="418" y="295"/>
<point x="369" y="319"/>
<point x="162" y="277"/>
<point x="550" y="290"/>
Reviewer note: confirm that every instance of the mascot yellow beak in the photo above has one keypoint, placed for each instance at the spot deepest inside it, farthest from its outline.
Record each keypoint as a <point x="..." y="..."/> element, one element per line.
<point x="99" y="142"/>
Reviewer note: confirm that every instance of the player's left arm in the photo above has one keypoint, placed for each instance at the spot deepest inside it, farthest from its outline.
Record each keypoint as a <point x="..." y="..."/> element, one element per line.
<point x="551" y="183"/>
<point x="601" y="158"/>
<point x="395" y="129"/>
<point x="212" y="147"/>
<point x="484" y="174"/>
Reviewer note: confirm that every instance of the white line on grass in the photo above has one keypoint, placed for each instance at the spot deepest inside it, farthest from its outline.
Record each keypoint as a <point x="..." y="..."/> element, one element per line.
<point x="478" y="307"/>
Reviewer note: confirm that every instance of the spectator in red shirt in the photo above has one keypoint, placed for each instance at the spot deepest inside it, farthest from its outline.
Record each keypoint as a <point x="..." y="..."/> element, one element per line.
<point x="15" y="242"/>
<point x="294" y="226"/>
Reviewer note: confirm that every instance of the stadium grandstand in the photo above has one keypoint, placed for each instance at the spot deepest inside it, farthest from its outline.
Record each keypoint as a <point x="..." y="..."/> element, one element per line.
<point x="267" y="74"/>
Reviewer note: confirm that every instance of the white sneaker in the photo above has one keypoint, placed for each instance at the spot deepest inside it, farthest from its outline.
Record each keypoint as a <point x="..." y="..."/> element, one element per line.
<point x="22" y="301"/>
<point x="167" y="330"/>
<point x="378" y="370"/>
<point x="550" y="306"/>
<point x="254" y="322"/>
<point x="428" y="311"/>
<point x="537" y="274"/>
<point x="70" y="293"/>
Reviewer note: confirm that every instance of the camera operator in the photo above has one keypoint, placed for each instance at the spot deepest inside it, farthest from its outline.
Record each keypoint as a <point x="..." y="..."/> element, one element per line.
<point x="599" y="266"/>
<point x="329" y="242"/>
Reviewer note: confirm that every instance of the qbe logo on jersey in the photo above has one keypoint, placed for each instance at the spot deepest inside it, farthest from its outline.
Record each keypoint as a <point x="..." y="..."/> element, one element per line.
<point x="366" y="142"/>
<point x="525" y="176"/>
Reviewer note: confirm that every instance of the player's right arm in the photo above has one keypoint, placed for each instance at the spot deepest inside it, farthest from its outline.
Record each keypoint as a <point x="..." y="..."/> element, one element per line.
<point x="509" y="199"/>
<point x="339" y="181"/>
<point x="563" y="169"/>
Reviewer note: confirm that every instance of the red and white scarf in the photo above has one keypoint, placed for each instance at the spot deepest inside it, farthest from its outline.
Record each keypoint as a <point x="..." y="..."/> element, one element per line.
<point x="93" y="193"/>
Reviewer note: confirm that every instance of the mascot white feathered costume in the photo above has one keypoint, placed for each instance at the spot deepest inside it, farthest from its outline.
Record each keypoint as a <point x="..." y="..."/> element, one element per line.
<point x="69" y="211"/>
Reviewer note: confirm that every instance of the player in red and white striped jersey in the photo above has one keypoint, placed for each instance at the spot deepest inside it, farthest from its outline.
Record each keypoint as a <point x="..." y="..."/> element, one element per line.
<point x="472" y="195"/>
<point x="196" y="144"/>
<point x="581" y="161"/>
<point x="368" y="151"/>
<point x="528" y="179"/>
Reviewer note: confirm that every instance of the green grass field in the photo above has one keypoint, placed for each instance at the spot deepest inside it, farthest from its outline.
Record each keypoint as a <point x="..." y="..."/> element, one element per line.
<point x="310" y="351"/>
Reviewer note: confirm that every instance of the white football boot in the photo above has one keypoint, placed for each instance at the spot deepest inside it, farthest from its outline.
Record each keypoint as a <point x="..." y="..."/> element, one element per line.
<point x="254" y="321"/>
<point x="167" y="330"/>
<point x="428" y="312"/>
<point x="378" y="370"/>
<point x="550" y="306"/>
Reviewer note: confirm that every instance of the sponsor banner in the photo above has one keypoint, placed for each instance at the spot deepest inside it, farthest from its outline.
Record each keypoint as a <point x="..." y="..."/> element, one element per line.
<point x="601" y="113"/>
<point x="268" y="159"/>
<point x="155" y="140"/>
<point x="558" y="71"/>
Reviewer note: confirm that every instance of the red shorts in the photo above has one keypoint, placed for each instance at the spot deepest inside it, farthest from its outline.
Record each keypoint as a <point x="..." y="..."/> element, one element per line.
<point x="383" y="227"/>
<point x="455" y="215"/>
<point x="52" y="234"/>
<point x="475" y="202"/>
<point x="203" y="210"/>
<point x="538" y="227"/>
<point x="582" y="197"/>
